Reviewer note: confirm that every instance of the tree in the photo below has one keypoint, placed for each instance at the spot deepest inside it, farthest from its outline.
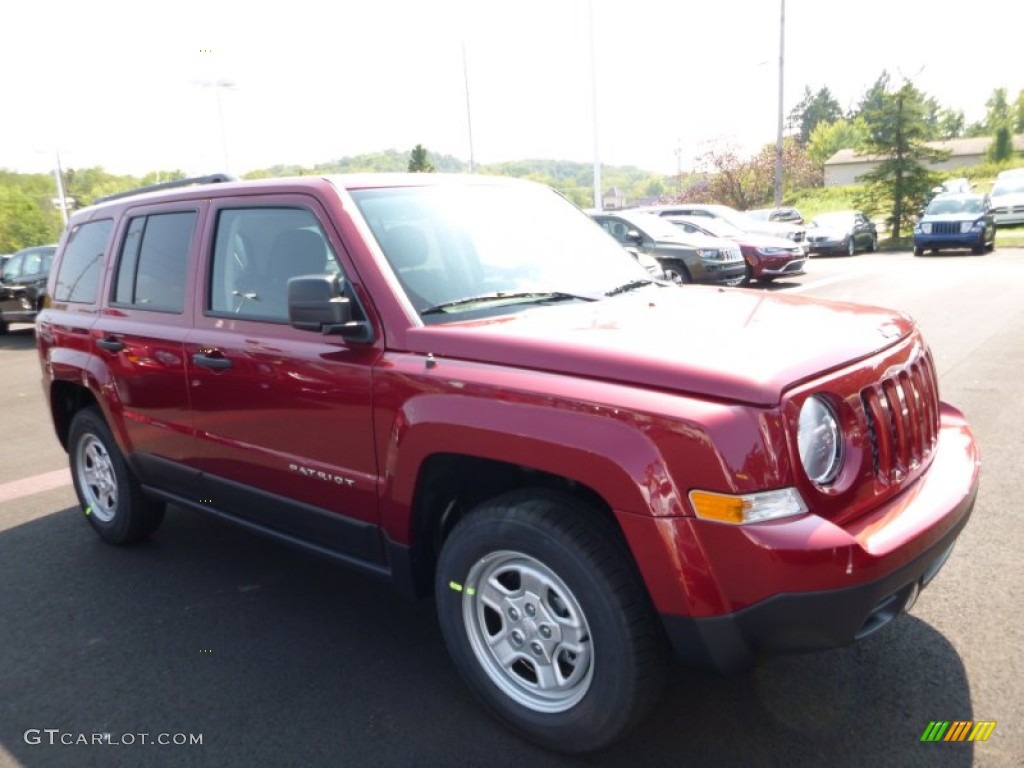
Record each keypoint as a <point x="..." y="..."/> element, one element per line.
<point x="999" y="112"/>
<point x="1018" y="113"/>
<point x="897" y="132"/>
<point x="951" y="124"/>
<point x="874" y="97"/>
<point x="419" y="162"/>
<point x="1002" y="147"/>
<point x="828" y="138"/>
<point x="812" y="111"/>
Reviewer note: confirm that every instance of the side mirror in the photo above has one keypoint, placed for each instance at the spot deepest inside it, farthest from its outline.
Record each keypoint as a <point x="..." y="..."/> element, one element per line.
<point x="316" y="303"/>
<point x="635" y="236"/>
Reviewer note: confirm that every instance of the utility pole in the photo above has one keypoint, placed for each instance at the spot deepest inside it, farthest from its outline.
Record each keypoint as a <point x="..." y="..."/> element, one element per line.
<point x="59" y="174"/>
<point x="469" y="116"/>
<point x="778" y="136"/>
<point x="593" y="98"/>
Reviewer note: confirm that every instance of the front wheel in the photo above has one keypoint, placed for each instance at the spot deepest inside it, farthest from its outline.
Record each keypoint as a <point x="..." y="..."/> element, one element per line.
<point x="677" y="274"/>
<point x="547" y="620"/>
<point x="109" y="493"/>
<point x="918" y="251"/>
<point x="851" y="246"/>
<point x="873" y="244"/>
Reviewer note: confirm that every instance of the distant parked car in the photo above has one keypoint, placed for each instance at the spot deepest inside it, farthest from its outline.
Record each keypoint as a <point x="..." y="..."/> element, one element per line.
<point x="766" y="257"/>
<point x="956" y="221"/>
<point x="1008" y="198"/>
<point x="785" y="214"/>
<point x="738" y="219"/>
<point x="684" y="258"/>
<point x="23" y="284"/>
<point x="841" y="232"/>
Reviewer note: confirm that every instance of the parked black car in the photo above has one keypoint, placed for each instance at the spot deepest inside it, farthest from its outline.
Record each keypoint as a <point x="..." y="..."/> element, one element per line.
<point x="684" y="258"/>
<point x="841" y="232"/>
<point x="23" y="284"/>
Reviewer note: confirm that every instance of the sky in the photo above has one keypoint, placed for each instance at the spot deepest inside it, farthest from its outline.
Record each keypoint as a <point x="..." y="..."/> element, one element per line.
<point x="133" y="87"/>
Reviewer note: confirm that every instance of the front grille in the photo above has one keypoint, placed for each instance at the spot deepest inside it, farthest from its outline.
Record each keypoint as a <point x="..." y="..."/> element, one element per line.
<point x="945" y="227"/>
<point x="902" y="413"/>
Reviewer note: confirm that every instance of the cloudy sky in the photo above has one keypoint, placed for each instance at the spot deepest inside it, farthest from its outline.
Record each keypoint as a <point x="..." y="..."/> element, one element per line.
<point x="127" y="85"/>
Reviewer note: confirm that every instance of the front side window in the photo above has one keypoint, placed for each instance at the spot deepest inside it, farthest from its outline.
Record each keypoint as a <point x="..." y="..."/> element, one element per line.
<point x="257" y="250"/>
<point x="13" y="267"/>
<point x="153" y="270"/>
<point x="78" y="280"/>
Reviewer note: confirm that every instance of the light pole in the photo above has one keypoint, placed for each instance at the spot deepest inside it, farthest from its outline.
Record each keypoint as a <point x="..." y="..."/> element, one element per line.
<point x="218" y="86"/>
<point x="778" y="135"/>
<point x="469" y="115"/>
<point x="62" y="198"/>
<point x="593" y="97"/>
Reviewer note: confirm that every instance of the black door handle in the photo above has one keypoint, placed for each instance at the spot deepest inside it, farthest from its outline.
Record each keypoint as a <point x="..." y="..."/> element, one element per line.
<point x="215" y="363"/>
<point x="111" y="345"/>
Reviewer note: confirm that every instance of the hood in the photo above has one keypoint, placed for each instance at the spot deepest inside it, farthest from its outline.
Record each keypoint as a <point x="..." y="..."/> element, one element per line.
<point x="727" y="344"/>
<point x="766" y="241"/>
<point x="1007" y="198"/>
<point x="957" y="216"/>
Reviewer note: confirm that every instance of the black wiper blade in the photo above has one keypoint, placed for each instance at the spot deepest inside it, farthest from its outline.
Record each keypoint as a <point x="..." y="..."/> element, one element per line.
<point x="632" y="285"/>
<point x="513" y="296"/>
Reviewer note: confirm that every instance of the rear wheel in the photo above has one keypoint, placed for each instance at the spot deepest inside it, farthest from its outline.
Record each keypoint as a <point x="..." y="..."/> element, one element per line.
<point x="109" y="493"/>
<point x="547" y="620"/>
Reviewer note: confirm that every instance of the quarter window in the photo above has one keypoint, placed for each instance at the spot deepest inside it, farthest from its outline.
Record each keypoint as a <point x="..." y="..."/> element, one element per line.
<point x="78" y="279"/>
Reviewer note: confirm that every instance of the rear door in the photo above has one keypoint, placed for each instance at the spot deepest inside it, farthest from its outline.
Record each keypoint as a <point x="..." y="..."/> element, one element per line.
<point x="283" y="417"/>
<point x="140" y="336"/>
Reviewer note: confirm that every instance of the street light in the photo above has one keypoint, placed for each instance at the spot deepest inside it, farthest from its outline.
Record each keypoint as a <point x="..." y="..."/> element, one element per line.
<point x="778" y="135"/>
<point x="218" y="86"/>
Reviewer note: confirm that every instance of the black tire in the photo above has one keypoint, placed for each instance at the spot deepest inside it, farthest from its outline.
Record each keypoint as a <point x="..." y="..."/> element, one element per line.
<point x="3" y="328"/>
<point x="109" y="493"/>
<point x="918" y="251"/>
<point x="748" y="275"/>
<point x="677" y="274"/>
<point x="851" y="246"/>
<point x="573" y="609"/>
<point x="979" y="249"/>
<point x="873" y="244"/>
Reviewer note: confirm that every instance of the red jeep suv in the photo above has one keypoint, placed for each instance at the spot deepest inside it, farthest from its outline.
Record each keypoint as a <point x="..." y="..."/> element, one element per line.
<point x="587" y="469"/>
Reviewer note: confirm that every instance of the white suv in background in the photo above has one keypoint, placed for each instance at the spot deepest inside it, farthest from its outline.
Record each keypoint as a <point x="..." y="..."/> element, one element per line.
<point x="739" y="219"/>
<point x="1008" y="197"/>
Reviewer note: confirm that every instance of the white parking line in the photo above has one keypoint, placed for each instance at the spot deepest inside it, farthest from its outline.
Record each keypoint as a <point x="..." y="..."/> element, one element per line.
<point x="826" y="281"/>
<point x="29" y="486"/>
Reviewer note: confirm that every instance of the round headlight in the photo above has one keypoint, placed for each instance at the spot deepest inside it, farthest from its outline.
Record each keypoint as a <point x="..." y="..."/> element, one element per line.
<point x="818" y="441"/>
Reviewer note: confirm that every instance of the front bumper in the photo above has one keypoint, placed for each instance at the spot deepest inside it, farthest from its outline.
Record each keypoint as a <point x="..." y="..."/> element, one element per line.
<point x="827" y="246"/>
<point x="971" y="239"/>
<point x="780" y="267"/>
<point x="805" y="583"/>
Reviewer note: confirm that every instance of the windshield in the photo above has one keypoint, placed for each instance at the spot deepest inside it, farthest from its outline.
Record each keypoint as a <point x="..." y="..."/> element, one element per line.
<point x="447" y="243"/>
<point x="956" y="205"/>
<point x="832" y="220"/>
<point x="654" y="226"/>
<point x="1009" y="186"/>
<point x="717" y="227"/>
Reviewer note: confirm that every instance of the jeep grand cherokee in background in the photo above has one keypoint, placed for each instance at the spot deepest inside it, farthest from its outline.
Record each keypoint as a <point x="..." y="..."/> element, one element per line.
<point x="584" y="467"/>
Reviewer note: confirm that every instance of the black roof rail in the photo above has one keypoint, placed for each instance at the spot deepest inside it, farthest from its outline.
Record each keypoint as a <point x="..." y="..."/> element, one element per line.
<point x="213" y="178"/>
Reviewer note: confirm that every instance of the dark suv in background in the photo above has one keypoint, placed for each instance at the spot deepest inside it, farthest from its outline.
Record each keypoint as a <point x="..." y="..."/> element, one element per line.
<point x="23" y="284"/>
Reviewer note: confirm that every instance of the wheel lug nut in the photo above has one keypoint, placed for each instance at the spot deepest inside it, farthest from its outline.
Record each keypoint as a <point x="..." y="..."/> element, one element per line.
<point x="537" y="649"/>
<point x="513" y="614"/>
<point x="545" y="631"/>
<point x="516" y="637"/>
<point x="530" y="609"/>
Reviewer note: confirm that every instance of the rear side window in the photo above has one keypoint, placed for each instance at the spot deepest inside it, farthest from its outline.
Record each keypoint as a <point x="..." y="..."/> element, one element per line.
<point x="79" y="277"/>
<point x="153" y="269"/>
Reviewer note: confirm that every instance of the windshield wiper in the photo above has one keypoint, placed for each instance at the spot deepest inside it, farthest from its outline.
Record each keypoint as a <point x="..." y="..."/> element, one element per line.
<point x="514" y="296"/>
<point x="632" y="285"/>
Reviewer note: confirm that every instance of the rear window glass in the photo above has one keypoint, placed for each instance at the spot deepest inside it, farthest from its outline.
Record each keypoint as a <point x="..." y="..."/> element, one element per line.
<point x="79" y="277"/>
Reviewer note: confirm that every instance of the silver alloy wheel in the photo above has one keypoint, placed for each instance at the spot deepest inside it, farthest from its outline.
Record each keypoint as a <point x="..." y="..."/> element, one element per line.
<point x="95" y="472"/>
<point x="674" y="276"/>
<point x="528" y="631"/>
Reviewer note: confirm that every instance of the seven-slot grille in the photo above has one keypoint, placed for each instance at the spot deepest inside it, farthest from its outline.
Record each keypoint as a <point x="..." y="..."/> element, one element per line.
<point x="945" y="227"/>
<point x="902" y="413"/>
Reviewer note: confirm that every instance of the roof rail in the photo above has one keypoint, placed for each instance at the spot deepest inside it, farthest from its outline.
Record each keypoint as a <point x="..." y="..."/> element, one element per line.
<point x="213" y="178"/>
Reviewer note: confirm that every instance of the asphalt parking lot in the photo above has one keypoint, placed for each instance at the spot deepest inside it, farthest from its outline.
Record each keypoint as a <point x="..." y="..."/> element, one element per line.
<point x="276" y="658"/>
